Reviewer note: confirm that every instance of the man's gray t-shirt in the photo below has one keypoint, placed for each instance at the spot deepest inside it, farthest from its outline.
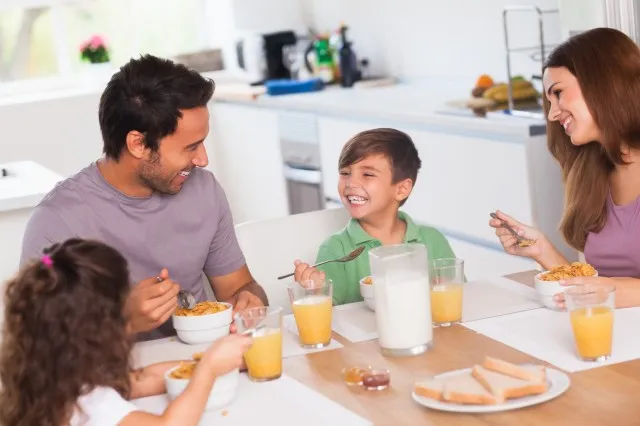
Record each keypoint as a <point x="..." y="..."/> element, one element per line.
<point x="188" y="233"/>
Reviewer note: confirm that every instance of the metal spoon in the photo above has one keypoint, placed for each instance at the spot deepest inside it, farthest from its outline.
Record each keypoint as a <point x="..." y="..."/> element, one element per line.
<point x="185" y="298"/>
<point x="347" y="258"/>
<point x="520" y="240"/>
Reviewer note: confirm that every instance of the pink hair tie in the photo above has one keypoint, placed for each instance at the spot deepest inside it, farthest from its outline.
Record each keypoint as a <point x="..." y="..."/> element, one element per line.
<point x="47" y="261"/>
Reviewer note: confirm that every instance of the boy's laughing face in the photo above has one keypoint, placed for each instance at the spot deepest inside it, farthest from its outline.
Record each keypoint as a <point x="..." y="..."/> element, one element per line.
<point x="367" y="189"/>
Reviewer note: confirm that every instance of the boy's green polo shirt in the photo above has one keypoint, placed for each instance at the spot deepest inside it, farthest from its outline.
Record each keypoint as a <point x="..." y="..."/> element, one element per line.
<point x="346" y="276"/>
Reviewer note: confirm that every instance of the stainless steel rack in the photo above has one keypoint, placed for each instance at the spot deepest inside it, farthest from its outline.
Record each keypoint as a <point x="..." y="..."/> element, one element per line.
<point x="537" y="52"/>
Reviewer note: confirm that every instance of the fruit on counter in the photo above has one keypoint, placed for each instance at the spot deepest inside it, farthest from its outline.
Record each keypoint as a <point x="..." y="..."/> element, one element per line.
<point x="483" y="83"/>
<point x="522" y="90"/>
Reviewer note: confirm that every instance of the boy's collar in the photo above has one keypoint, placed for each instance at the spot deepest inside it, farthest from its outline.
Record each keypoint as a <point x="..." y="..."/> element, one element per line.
<point x="359" y="235"/>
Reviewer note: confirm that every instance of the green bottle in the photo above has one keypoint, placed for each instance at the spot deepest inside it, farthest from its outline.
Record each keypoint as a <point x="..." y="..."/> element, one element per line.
<point x="324" y="60"/>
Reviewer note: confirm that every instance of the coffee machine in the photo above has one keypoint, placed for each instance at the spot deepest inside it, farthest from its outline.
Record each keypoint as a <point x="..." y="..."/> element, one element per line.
<point x="261" y="58"/>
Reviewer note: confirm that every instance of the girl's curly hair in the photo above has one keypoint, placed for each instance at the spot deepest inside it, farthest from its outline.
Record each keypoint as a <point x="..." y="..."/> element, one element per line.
<point x="64" y="333"/>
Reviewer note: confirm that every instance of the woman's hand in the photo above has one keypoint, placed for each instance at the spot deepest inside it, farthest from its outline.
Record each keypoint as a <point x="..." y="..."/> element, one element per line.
<point x="509" y="241"/>
<point x="622" y="299"/>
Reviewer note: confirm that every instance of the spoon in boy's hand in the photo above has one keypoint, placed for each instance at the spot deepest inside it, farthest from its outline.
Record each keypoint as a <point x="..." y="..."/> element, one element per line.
<point x="347" y="258"/>
<point x="520" y="240"/>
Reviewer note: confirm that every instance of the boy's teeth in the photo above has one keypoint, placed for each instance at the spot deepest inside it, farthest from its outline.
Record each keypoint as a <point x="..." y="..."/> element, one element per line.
<point x="354" y="199"/>
<point x="184" y="173"/>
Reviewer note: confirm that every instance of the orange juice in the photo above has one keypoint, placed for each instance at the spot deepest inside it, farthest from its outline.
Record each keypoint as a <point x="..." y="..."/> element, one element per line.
<point x="593" y="331"/>
<point x="446" y="303"/>
<point x="313" y="319"/>
<point x="264" y="359"/>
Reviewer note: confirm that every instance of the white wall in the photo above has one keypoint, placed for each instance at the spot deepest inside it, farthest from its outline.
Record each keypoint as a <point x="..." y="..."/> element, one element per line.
<point x="422" y="38"/>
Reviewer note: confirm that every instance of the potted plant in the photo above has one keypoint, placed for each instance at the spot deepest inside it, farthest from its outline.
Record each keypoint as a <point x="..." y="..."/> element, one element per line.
<point x="95" y="50"/>
<point x="95" y="53"/>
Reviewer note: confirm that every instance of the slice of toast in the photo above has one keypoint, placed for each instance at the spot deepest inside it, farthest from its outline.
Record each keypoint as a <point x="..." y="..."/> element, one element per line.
<point x="464" y="389"/>
<point x="505" y="387"/>
<point x="431" y="388"/>
<point x="534" y="373"/>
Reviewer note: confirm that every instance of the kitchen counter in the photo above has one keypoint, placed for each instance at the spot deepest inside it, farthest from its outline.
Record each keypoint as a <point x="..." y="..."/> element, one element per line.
<point x="420" y="104"/>
<point x="25" y="185"/>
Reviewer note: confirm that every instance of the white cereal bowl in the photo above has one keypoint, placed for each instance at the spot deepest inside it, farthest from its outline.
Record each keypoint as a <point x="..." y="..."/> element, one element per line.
<point x="547" y="289"/>
<point x="198" y="329"/>
<point x="222" y="394"/>
<point x="366" y="291"/>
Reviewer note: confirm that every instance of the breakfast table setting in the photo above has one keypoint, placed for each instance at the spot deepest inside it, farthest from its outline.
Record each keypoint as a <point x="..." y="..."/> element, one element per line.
<point x="493" y="352"/>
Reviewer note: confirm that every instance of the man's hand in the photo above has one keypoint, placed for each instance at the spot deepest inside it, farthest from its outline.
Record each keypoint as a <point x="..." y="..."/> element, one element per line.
<point x="151" y="302"/>
<point x="245" y="300"/>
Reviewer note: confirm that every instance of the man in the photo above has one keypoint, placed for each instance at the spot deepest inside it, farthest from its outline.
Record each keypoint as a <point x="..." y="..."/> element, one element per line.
<point x="150" y="198"/>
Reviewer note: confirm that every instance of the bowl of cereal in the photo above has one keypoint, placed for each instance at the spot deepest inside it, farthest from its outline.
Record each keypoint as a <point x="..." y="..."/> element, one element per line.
<point x="222" y="393"/>
<point x="205" y="322"/>
<point x="548" y="282"/>
<point x="366" y="291"/>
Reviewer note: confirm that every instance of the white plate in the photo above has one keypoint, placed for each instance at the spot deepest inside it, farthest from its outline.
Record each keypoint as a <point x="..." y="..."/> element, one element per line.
<point x="558" y="383"/>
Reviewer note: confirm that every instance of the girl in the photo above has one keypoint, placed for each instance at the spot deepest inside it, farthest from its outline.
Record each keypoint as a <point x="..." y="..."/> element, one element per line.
<point x="65" y="351"/>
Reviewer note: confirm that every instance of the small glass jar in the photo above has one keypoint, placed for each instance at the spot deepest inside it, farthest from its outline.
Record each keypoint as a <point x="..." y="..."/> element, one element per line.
<point x="369" y="378"/>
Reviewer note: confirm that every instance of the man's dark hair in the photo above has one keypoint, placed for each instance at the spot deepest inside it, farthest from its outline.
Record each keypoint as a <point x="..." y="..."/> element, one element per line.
<point x="146" y="95"/>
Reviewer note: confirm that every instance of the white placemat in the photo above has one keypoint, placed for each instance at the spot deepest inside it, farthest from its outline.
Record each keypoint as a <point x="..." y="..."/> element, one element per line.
<point x="547" y="335"/>
<point x="355" y="322"/>
<point x="496" y="296"/>
<point x="171" y="348"/>
<point x="486" y="298"/>
<point x="285" y="402"/>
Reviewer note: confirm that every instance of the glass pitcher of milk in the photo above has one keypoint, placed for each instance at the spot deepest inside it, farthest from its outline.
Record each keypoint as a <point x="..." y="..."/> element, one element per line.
<point x="403" y="307"/>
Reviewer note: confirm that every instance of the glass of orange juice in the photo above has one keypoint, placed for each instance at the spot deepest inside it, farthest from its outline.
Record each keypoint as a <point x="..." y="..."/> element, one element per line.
<point x="591" y="311"/>
<point x="264" y="358"/>
<point x="312" y="303"/>
<point x="447" y="278"/>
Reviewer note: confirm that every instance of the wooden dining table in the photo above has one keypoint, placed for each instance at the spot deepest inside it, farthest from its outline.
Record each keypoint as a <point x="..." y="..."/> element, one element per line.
<point x="607" y="395"/>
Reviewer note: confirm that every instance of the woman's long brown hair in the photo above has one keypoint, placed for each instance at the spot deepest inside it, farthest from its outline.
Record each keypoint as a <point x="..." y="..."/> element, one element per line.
<point x="606" y="64"/>
<point x="64" y="333"/>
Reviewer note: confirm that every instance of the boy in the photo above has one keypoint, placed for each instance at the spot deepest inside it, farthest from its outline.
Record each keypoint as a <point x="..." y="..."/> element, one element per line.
<point x="378" y="170"/>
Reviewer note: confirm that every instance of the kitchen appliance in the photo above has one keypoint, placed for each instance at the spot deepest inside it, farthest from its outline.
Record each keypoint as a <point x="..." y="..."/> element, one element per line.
<point x="300" y="148"/>
<point x="261" y="56"/>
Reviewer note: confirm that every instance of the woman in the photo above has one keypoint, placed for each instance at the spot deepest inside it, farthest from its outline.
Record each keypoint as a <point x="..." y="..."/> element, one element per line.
<point x="65" y="352"/>
<point x="592" y="101"/>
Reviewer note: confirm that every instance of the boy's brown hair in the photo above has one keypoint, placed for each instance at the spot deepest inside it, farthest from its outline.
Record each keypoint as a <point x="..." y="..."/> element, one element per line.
<point x="394" y="145"/>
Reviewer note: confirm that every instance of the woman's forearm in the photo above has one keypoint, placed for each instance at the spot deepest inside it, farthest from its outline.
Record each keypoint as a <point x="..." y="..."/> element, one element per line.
<point x="627" y="292"/>
<point x="550" y="256"/>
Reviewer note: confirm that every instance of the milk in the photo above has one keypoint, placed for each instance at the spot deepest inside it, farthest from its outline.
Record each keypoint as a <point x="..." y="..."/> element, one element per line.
<point x="403" y="312"/>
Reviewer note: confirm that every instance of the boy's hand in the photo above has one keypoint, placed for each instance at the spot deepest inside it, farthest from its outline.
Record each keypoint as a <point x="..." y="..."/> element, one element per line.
<point x="304" y="272"/>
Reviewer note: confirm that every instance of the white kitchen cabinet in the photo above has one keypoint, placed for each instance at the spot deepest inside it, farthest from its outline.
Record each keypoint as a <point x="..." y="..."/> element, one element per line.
<point x="245" y="156"/>
<point x="461" y="181"/>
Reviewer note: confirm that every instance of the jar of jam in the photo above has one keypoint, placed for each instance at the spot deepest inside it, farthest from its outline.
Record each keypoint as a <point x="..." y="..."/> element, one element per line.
<point x="376" y="378"/>
<point x="370" y="378"/>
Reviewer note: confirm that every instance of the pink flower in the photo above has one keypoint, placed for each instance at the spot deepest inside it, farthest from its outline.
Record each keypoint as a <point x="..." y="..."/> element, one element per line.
<point x="84" y="46"/>
<point x="96" y="41"/>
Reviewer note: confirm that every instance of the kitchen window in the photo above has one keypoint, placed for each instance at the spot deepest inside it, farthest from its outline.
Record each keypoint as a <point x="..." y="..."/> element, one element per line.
<point x="40" y="39"/>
